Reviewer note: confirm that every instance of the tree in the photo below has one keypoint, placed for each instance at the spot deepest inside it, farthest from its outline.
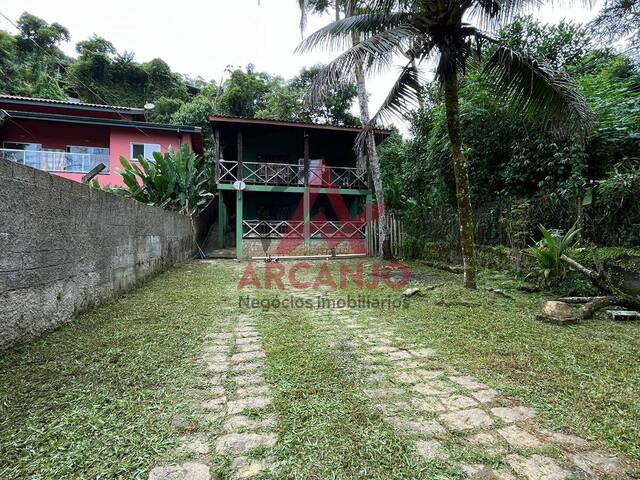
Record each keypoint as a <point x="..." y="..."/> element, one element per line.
<point x="619" y="19"/>
<point x="96" y="44"/>
<point x="35" y="33"/>
<point x="350" y="7"/>
<point x="424" y="30"/>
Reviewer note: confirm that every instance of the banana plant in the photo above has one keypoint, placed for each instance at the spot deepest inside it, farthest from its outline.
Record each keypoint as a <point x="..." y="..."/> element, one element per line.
<point x="173" y="180"/>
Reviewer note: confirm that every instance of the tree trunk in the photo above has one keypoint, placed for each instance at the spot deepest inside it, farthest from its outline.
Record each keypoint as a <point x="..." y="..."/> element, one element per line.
<point x="372" y="154"/>
<point x="463" y="196"/>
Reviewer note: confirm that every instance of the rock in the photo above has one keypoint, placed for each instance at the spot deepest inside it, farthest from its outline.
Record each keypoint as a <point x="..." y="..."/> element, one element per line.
<point x="194" y="445"/>
<point x="513" y="414"/>
<point x="186" y="471"/>
<point x="431" y="450"/>
<point x="558" y="309"/>
<point x="410" y="292"/>
<point x="467" y="419"/>
<point x="238" y="406"/>
<point x="237" y="443"/>
<point x="485" y="396"/>
<point x="596" y="463"/>
<point x="537" y="467"/>
<point x="518" y="438"/>
<point x="468" y="382"/>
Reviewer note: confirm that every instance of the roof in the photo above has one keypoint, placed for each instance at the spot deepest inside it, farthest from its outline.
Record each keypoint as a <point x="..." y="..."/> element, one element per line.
<point x="50" y="117"/>
<point x="66" y="104"/>
<point x="290" y="123"/>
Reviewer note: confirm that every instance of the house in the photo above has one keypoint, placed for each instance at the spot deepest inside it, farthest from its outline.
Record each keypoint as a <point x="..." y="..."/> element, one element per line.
<point x="69" y="138"/>
<point x="290" y="188"/>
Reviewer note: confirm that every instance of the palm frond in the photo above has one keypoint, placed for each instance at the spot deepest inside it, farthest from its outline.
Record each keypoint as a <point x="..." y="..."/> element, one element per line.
<point x="403" y="97"/>
<point x="372" y="55"/>
<point x="545" y="94"/>
<point x="493" y="14"/>
<point x="337" y="35"/>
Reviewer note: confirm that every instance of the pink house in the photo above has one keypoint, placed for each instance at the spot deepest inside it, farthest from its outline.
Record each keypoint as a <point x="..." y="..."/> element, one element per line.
<point x="70" y="138"/>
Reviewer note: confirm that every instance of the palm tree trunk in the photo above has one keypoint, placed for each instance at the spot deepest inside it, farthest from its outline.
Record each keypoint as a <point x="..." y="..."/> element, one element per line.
<point x="376" y="175"/>
<point x="363" y="101"/>
<point x="463" y="196"/>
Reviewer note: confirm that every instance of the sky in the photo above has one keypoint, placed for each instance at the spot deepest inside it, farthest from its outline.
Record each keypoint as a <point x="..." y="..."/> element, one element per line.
<point x="203" y="38"/>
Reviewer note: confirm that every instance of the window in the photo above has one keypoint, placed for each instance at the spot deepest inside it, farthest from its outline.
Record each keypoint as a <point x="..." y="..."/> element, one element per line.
<point x="144" y="150"/>
<point x="82" y="159"/>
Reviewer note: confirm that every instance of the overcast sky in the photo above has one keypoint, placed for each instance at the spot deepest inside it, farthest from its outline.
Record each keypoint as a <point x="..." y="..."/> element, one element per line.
<point x="201" y="38"/>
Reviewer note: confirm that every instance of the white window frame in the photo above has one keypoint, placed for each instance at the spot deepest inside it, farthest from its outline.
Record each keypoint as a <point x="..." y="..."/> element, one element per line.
<point x="135" y="159"/>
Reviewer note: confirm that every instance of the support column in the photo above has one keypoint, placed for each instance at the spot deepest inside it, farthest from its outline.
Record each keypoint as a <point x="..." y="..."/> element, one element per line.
<point x="306" y="197"/>
<point x="368" y="212"/>
<point x="222" y="219"/>
<point x="218" y="151"/>
<point x="239" y="213"/>
<point x="240" y="146"/>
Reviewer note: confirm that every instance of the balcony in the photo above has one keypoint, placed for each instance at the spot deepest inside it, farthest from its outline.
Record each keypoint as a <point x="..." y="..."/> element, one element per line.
<point x="55" y="161"/>
<point x="295" y="229"/>
<point x="288" y="174"/>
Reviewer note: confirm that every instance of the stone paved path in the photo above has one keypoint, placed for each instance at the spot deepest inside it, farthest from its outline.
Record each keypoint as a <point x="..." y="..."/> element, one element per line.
<point x="450" y="416"/>
<point x="231" y="417"/>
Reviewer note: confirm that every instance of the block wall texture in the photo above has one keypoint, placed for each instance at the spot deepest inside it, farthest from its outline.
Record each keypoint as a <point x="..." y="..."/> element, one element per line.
<point x="65" y="247"/>
<point x="286" y="247"/>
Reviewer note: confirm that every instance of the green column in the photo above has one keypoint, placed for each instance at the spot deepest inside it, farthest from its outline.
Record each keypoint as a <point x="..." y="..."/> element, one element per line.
<point x="222" y="219"/>
<point x="306" y="216"/>
<point x="369" y="219"/>
<point x="239" y="224"/>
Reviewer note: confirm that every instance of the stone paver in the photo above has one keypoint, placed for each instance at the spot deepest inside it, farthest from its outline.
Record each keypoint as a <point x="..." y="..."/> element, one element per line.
<point x="537" y="467"/>
<point x="513" y="414"/>
<point x="237" y="443"/>
<point x="467" y="419"/>
<point x="431" y="450"/>
<point x="428" y="402"/>
<point x="186" y="471"/>
<point x="235" y="384"/>
<point x="519" y="438"/>
<point x="597" y="463"/>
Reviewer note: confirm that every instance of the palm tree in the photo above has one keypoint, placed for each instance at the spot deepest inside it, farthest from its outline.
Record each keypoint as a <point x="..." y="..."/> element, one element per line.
<point x="440" y="30"/>
<point x="349" y="7"/>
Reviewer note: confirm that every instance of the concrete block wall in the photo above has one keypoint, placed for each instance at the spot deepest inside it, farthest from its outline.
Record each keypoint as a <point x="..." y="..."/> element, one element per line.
<point x="65" y="247"/>
<point x="287" y="247"/>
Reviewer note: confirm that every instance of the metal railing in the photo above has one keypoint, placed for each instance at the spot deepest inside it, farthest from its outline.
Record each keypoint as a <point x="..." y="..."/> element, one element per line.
<point x="291" y="174"/>
<point x="295" y="229"/>
<point x="53" y="161"/>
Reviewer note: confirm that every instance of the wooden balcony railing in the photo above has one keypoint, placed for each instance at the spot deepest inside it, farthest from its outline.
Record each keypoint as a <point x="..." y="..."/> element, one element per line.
<point x="288" y="174"/>
<point x="295" y="229"/>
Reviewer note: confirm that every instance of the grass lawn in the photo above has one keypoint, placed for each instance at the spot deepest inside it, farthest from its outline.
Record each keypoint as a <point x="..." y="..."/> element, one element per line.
<point x="585" y="377"/>
<point x="95" y="398"/>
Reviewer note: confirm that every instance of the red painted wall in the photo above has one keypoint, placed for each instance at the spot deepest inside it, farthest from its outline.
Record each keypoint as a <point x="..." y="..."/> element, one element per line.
<point x="55" y="135"/>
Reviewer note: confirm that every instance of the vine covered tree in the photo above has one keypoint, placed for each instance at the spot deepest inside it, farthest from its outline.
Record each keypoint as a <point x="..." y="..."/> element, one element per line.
<point x="423" y="30"/>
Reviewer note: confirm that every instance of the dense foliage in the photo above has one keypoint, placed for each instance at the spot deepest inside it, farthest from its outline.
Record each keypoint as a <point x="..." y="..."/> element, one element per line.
<point x="32" y="64"/>
<point x="520" y="174"/>
<point x="174" y="180"/>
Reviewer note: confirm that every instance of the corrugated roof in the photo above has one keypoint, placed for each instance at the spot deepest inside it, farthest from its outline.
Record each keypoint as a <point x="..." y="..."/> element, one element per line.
<point x="290" y="123"/>
<point x="44" y="101"/>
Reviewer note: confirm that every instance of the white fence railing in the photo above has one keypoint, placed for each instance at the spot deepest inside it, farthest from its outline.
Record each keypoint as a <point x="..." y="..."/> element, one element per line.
<point x="54" y="161"/>
<point x="295" y="229"/>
